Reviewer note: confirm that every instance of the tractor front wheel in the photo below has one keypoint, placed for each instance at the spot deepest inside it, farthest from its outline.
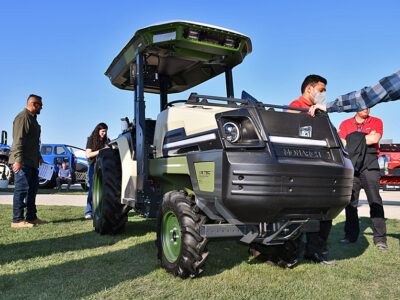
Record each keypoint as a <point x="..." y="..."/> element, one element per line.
<point x="181" y="248"/>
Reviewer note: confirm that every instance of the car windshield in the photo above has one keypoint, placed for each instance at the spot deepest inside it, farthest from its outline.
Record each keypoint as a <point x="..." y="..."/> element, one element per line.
<point x="78" y="152"/>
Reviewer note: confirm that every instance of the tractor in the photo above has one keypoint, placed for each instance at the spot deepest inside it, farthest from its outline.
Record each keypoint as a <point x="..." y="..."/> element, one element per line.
<point x="213" y="166"/>
<point x="5" y="169"/>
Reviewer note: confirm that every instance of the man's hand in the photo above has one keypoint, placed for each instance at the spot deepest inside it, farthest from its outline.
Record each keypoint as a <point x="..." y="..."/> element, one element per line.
<point x="41" y="161"/>
<point x="315" y="107"/>
<point x="16" y="167"/>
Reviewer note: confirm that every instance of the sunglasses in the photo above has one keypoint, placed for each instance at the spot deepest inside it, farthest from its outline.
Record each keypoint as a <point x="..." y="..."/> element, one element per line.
<point x="37" y="103"/>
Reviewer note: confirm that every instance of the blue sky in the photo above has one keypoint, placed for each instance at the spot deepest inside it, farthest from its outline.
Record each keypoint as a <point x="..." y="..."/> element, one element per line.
<point x="61" y="49"/>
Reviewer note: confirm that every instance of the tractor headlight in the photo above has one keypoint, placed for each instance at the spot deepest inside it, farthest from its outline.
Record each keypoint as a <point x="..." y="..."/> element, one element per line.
<point x="193" y="34"/>
<point x="231" y="131"/>
<point x="229" y="42"/>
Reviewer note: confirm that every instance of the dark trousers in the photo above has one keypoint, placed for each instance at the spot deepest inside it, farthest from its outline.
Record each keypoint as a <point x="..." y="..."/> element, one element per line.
<point x="26" y="183"/>
<point x="317" y="242"/>
<point x="60" y="181"/>
<point x="369" y="181"/>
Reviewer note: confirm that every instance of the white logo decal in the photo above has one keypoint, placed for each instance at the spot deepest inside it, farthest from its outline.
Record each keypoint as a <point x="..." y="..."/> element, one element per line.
<point x="305" y="131"/>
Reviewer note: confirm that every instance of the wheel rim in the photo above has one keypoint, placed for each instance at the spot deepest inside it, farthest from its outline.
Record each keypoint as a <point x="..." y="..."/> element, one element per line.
<point x="170" y="236"/>
<point x="4" y="168"/>
<point x="97" y="194"/>
<point x="43" y="181"/>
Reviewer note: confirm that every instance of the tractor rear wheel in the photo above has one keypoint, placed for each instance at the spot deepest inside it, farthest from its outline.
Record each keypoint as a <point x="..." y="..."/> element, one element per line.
<point x="5" y="170"/>
<point x="109" y="215"/>
<point x="181" y="248"/>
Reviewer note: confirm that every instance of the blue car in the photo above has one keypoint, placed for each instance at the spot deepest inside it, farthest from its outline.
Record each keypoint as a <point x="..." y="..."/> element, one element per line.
<point x="74" y="157"/>
<point x="5" y="169"/>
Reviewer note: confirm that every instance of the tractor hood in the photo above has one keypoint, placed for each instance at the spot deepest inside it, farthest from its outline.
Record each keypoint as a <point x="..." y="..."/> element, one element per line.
<point x="186" y="53"/>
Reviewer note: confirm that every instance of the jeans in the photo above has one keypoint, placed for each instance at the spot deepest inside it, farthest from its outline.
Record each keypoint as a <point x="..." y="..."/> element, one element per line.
<point x="60" y="181"/>
<point x="26" y="183"/>
<point x="89" y="198"/>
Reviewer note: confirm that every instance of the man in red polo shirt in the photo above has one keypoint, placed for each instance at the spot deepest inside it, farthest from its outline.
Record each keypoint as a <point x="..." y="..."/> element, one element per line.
<point x="366" y="176"/>
<point x="313" y="91"/>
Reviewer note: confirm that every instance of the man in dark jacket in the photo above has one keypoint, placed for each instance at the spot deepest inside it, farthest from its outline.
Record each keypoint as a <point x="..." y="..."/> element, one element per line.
<point x="361" y="135"/>
<point x="25" y="157"/>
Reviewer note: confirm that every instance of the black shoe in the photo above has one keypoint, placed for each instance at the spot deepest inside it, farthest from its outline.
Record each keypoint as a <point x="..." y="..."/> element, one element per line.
<point x="315" y="257"/>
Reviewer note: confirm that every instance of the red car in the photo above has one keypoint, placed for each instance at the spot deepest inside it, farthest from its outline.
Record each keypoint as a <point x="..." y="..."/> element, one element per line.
<point x="389" y="163"/>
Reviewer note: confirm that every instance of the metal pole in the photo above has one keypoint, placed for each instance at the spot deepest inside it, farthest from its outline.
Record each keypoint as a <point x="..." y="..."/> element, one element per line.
<point x="229" y="83"/>
<point x="163" y="91"/>
<point x="140" y="122"/>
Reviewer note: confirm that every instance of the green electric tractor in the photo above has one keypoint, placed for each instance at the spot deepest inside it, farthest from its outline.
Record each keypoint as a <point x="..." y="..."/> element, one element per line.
<point x="213" y="167"/>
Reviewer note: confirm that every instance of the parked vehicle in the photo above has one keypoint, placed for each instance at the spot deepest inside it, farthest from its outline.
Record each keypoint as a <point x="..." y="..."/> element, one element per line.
<point x="6" y="172"/>
<point x="389" y="163"/>
<point x="56" y="154"/>
<point x="213" y="167"/>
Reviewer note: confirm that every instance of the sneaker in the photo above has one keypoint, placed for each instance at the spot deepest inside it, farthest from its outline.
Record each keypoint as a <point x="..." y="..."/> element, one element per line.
<point x="381" y="246"/>
<point x="38" y="221"/>
<point x="22" y="224"/>
<point x="88" y="217"/>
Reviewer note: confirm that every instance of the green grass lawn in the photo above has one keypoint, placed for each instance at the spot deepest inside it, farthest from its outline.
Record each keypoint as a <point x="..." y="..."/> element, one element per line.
<point x="66" y="259"/>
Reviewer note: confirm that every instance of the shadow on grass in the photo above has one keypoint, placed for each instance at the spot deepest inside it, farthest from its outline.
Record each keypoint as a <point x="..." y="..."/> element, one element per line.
<point x="81" y="241"/>
<point x="88" y="276"/>
<point x="224" y="254"/>
<point x="340" y="251"/>
<point x="72" y="220"/>
<point x="83" y="277"/>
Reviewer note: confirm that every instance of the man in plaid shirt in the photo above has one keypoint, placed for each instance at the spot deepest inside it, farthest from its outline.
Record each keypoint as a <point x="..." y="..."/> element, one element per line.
<point x="387" y="89"/>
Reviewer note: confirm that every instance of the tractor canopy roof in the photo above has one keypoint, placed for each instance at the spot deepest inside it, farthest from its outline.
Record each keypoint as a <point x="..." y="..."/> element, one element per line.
<point x="185" y="53"/>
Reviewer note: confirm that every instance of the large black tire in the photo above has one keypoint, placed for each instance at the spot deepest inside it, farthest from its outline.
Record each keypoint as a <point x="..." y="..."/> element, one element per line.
<point x="181" y="248"/>
<point x="109" y="215"/>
